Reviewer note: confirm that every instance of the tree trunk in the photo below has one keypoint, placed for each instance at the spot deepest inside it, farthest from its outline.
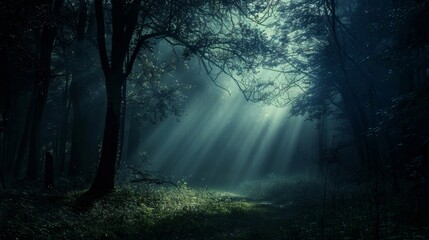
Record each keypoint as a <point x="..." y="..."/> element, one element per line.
<point x="78" y="141"/>
<point x="63" y="139"/>
<point x="123" y="27"/>
<point x="2" y="156"/>
<point x="121" y="155"/>
<point x="5" y="102"/>
<point x="23" y="144"/>
<point x="34" y="140"/>
<point x="322" y="138"/>
<point x="49" y="171"/>
<point x="40" y="89"/>
<point x="105" y="177"/>
<point x="81" y="143"/>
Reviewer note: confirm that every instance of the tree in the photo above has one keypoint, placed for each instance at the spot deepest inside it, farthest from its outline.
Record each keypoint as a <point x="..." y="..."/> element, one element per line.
<point x="85" y="81"/>
<point x="48" y="33"/>
<point x="29" y="29"/>
<point x="222" y="34"/>
<point x="45" y="29"/>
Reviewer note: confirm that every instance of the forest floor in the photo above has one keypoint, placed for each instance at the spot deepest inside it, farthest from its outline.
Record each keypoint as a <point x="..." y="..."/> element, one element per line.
<point x="278" y="211"/>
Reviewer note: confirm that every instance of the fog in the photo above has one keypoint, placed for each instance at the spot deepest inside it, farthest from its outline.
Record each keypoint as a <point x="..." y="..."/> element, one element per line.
<point x="190" y="119"/>
<point x="223" y="139"/>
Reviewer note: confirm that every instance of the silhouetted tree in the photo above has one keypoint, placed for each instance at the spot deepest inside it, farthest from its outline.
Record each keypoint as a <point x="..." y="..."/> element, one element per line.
<point x="49" y="170"/>
<point x="217" y="32"/>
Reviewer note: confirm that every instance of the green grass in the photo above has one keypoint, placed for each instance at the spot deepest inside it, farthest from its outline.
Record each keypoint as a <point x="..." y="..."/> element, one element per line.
<point x="142" y="212"/>
<point x="128" y="213"/>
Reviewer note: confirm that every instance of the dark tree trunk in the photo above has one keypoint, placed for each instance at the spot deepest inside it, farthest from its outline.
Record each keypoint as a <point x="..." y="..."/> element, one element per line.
<point x="104" y="179"/>
<point x="116" y="70"/>
<point x="425" y="151"/>
<point x="81" y="137"/>
<point x="355" y="112"/>
<point x="2" y="160"/>
<point x="40" y="89"/>
<point x="64" y="129"/>
<point x="78" y="138"/>
<point x="23" y="144"/>
<point x="49" y="171"/>
<point x="322" y="138"/>
<point x="3" y="150"/>
<point x="122" y="128"/>
<point x="5" y="102"/>
<point x="34" y="140"/>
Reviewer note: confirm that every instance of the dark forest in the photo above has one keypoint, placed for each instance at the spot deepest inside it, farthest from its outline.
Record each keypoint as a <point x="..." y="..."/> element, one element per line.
<point x="214" y="119"/>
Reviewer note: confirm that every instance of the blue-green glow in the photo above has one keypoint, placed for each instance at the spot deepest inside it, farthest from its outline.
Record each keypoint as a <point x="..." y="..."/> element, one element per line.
<point x="225" y="139"/>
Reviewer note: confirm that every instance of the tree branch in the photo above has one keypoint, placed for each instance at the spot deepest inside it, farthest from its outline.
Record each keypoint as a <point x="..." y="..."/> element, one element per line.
<point x="101" y="39"/>
<point x="139" y="45"/>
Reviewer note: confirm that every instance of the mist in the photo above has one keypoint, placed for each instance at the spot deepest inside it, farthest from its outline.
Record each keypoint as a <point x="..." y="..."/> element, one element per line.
<point x="190" y="119"/>
<point x="223" y="140"/>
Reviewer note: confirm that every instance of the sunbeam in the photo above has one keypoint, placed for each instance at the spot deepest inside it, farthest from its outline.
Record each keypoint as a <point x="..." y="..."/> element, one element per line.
<point x="223" y="139"/>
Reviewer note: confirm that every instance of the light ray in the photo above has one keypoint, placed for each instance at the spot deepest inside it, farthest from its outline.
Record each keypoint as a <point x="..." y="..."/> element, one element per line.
<point x="224" y="140"/>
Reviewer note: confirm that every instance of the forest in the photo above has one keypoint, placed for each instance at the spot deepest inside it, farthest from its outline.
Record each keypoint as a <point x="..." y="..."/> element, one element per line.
<point x="214" y="119"/>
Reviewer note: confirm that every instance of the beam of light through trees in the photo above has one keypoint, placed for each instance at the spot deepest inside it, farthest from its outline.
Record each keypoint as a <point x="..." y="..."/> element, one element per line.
<point x="225" y="139"/>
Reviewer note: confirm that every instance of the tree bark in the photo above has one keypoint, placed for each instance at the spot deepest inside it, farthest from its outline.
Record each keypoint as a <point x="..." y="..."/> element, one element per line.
<point x="49" y="171"/>
<point x="34" y="140"/>
<point x="116" y="70"/>
<point x="2" y="153"/>
<point x="104" y="179"/>
<point x="5" y="103"/>
<point x="23" y="144"/>
<point x="78" y="138"/>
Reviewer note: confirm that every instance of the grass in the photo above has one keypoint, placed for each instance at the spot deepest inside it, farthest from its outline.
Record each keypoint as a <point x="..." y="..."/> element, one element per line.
<point x="127" y="213"/>
<point x="267" y="209"/>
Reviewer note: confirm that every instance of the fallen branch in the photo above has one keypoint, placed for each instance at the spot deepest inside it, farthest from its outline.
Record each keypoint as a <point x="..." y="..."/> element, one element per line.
<point x="148" y="178"/>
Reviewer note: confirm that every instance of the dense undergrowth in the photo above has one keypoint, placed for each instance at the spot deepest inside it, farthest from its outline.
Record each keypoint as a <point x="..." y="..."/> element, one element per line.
<point x="274" y="208"/>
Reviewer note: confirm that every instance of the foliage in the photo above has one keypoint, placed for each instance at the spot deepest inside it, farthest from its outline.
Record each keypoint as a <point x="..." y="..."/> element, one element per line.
<point x="155" y="92"/>
<point x="129" y="212"/>
<point x="346" y="212"/>
<point x="279" y="209"/>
